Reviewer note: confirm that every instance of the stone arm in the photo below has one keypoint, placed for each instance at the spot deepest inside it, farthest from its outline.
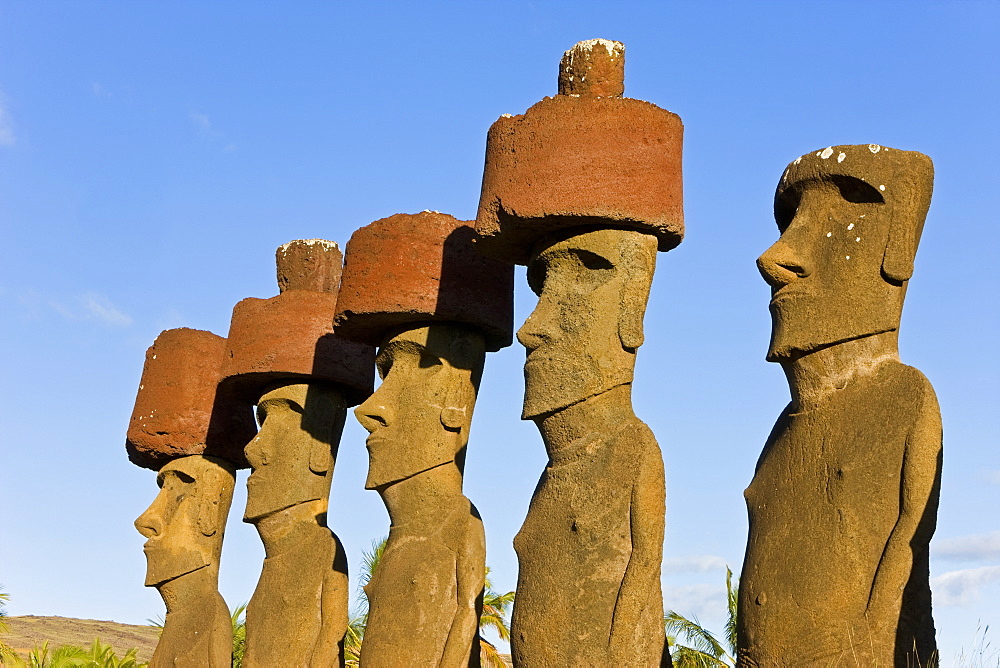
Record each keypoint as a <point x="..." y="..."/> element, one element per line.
<point x="646" y="516"/>
<point x="920" y="482"/>
<point x="461" y="648"/>
<point x="329" y="650"/>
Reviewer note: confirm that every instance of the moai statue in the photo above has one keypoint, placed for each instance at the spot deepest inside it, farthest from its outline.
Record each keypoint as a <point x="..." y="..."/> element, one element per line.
<point x="284" y="358"/>
<point x="584" y="188"/>
<point x="195" y="439"/>
<point x="415" y="286"/>
<point x="844" y="499"/>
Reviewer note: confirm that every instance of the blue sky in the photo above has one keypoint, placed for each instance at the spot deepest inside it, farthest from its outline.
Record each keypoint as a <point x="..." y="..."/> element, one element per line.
<point x="153" y="156"/>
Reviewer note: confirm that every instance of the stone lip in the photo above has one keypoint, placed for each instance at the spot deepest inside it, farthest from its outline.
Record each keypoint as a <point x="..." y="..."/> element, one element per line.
<point x="178" y="411"/>
<point x="412" y="269"/>
<point x="583" y="160"/>
<point x="289" y="339"/>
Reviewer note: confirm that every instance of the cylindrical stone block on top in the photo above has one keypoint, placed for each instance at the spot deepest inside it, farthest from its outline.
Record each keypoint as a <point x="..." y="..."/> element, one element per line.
<point x="586" y="157"/>
<point x="177" y="411"/>
<point x="289" y="338"/>
<point x="423" y="268"/>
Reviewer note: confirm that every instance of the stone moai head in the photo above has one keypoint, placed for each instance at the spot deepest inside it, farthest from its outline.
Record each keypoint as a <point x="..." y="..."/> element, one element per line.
<point x="284" y="358"/>
<point x="430" y="377"/>
<point x="178" y="410"/>
<point x="186" y="522"/>
<point x="583" y="188"/>
<point x="291" y="455"/>
<point x="850" y="219"/>
<point x="415" y="286"/>
<point x="582" y="337"/>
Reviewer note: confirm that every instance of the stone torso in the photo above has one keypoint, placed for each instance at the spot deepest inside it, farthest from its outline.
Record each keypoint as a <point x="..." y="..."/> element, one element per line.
<point x="822" y="504"/>
<point x="298" y="613"/>
<point x="196" y="638"/>
<point x="415" y="593"/>
<point x="574" y="548"/>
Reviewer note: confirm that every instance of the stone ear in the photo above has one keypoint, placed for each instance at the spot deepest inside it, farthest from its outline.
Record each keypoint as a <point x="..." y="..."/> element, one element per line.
<point x="208" y="514"/>
<point x="908" y="216"/>
<point x="453" y="419"/>
<point x="900" y="248"/>
<point x="319" y="456"/>
<point x="635" y="295"/>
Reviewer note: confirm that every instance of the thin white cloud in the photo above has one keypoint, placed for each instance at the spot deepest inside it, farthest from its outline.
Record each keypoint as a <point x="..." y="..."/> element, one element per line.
<point x="701" y="563"/>
<point x="962" y="587"/>
<point x="992" y="476"/>
<point x="701" y="600"/>
<point x="99" y="90"/>
<point x="975" y="547"/>
<point x="88" y="306"/>
<point x="6" y="128"/>
<point x="100" y="307"/>
<point x="201" y="121"/>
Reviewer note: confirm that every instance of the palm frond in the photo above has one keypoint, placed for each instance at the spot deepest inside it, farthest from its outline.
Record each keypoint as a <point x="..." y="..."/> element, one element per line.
<point x="687" y="657"/>
<point x="732" y="600"/>
<point x="489" y="655"/>
<point x="696" y="636"/>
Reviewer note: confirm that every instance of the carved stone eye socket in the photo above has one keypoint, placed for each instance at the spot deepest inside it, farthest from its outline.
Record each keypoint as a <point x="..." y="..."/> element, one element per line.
<point x="855" y="191"/>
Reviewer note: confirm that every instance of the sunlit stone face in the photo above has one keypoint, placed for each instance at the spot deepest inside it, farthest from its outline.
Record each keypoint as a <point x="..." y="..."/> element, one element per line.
<point x="419" y="416"/>
<point x="291" y="457"/>
<point x="825" y="270"/>
<point x="573" y="338"/>
<point x="184" y="524"/>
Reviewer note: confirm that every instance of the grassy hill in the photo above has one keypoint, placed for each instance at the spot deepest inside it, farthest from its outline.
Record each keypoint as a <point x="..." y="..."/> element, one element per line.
<point x="28" y="631"/>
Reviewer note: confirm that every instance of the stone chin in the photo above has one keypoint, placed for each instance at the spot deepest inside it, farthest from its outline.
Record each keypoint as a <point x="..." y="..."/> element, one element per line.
<point x="165" y="564"/>
<point x="798" y="329"/>
<point x="553" y="383"/>
<point x="386" y="470"/>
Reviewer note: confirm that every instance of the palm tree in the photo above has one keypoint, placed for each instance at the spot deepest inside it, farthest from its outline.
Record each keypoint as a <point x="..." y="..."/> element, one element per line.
<point x="494" y="616"/>
<point x="6" y="651"/>
<point x="703" y="649"/>
<point x="239" y="620"/>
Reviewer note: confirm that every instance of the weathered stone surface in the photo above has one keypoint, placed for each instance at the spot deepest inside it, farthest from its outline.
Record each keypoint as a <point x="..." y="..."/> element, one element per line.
<point x="844" y="499"/>
<point x="593" y="67"/>
<point x="290" y="338"/>
<point x="433" y="566"/>
<point x="298" y="613"/>
<point x="309" y="264"/>
<point x="185" y="526"/>
<point x="581" y="159"/>
<point x="588" y="590"/>
<point x="421" y="268"/>
<point x="177" y="412"/>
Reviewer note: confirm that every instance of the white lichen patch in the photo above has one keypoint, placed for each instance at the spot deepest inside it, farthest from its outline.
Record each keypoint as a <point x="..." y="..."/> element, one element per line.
<point x="841" y="156"/>
<point x="851" y="226"/>
<point x="506" y="115"/>
<point x="323" y="243"/>
<point x="798" y="160"/>
<point x="829" y="234"/>
<point x="588" y="45"/>
<point x="429" y="211"/>
<point x="874" y="148"/>
<point x="847" y="257"/>
<point x="857" y="238"/>
<point x="881" y="187"/>
<point x="826" y="152"/>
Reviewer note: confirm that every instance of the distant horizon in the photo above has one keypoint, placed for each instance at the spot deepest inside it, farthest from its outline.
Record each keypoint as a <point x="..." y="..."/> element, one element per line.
<point x="152" y="157"/>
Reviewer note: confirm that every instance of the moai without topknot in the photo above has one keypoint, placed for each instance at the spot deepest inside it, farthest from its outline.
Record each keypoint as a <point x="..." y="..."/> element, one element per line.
<point x="284" y="358"/>
<point x="415" y="286"/>
<point x="844" y="499"/>
<point x="195" y="439"/>
<point x="584" y="188"/>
